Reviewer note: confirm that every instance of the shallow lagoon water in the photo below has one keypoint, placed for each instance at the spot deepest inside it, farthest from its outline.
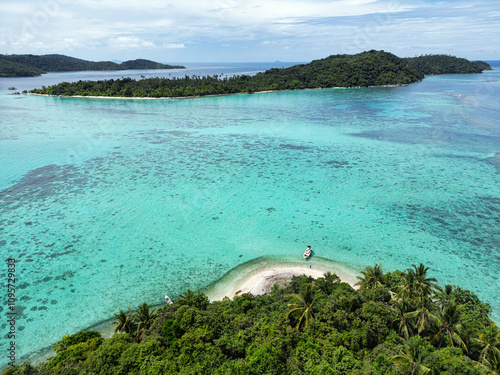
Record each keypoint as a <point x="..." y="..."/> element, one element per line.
<point x="107" y="203"/>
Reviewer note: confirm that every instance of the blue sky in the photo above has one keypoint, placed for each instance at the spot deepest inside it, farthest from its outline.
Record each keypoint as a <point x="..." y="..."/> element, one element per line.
<point x="248" y="30"/>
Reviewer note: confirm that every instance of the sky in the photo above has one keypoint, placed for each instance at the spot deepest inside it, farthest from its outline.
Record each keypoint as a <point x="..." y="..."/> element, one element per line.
<point x="248" y="30"/>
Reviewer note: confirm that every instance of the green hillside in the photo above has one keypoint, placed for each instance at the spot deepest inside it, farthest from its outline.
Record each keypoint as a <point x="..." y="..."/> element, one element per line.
<point x="34" y="65"/>
<point x="372" y="68"/>
<point x="13" y="69"/>
<point x="445" y="64"/>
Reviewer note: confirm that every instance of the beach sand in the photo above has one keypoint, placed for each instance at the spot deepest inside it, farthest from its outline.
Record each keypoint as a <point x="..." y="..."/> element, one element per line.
<point x="258" y="277"/>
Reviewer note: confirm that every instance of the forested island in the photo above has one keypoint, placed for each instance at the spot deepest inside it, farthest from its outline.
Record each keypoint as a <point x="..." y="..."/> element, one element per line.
<point x="396" y="323"/>
<point x="33" y="65"/>
<point x="371" y="68"/>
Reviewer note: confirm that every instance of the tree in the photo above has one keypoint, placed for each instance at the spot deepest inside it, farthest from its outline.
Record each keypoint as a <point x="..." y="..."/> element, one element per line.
<point x="489" y="339"/>
<point x="493" y="362"/>
<point x="303" y="305"/>
<point x="411" y="359"/>
<point x="144" y="317"/>
<point x="403" y="321"/>
<point x="328" y="283"/>
<point x="373" y="277"/>
<point x="69" y="340"/>
<point x="406" y="289"/>
<point x="424" y="286"/>
<point x="423" y="316"/>
<point x="449" y="323"/>
<point x="190" y="298"/>
<point x="124" y="322"/>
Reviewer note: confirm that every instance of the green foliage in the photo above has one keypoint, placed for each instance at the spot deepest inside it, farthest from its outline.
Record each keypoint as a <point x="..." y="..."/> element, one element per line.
<point x="445" y="64"/>
<point x="106" y="358"/>
<point x="342" y="331"/>
<point x="424" y="286"/>
<point x="303" y="305"/>
<point x="77" y="338"/>
<point x="328" y="283"/>
<point x="25" y="369"/>
<point x="371" y="68"/>
<point x="144" y="317"/>
<point x="171" y="332"/>
<point x="33" y="65"/>
<point x="12" y="69"/>
<point x="483" y="65"/>
<point x="74" y="354"/>
<point x="451" y="361"/>
<point x="124" y="322"/>
<point x="413" y="355"/>
<point x="137" y="322"/>
<point x="195" y="299"/>
<point x="489" y="344"/>
<point x="373" y="277"/>
<point x="475" y="311"/>
<point x="449" y="325"/>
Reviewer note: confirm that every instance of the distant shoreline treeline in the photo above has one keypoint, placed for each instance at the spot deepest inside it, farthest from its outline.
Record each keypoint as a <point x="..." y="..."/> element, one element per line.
<point x="33" y="65"/>
<point x="371" y="68"/>
<point x="396" y="323"/>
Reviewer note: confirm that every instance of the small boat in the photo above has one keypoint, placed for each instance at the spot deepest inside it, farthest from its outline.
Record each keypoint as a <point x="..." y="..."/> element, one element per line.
<point x="308" y="252"/>
<point x="168" y="301"/>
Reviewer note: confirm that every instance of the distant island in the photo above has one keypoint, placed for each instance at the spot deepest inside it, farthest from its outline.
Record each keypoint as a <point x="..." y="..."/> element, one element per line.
<point x="34" y="65"/>
<point x="371" y="68"/>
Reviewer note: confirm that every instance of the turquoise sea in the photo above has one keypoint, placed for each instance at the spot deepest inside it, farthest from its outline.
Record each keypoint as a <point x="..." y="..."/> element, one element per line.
<point x="106" y="203"/>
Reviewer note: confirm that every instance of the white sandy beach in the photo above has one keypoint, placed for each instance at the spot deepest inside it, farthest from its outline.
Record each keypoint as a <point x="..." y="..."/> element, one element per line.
<point x="260" y="279"/>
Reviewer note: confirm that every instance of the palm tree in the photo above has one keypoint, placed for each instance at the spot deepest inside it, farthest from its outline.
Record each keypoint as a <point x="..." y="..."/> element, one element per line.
<point x="449" y="323"/>
<point x="372" y="277"/>
<point x="423" y="315"/>
<point x="406" y="289"/>
<point x="489" y="339"/>
<point x="195" y="299"/>
<point x="144" y="317"/>
<point x="493" y="362"/>
<point x="410" y="361"/>
<point x="445" y="296"/>
<point x="304" y="305"/>
<point x="124" y="322"/>
<point x="404" y="322"/>
<point x="424" y="286"/>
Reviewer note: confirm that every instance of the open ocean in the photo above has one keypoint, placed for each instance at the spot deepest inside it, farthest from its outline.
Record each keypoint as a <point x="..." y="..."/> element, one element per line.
<point x="106" y="203"/>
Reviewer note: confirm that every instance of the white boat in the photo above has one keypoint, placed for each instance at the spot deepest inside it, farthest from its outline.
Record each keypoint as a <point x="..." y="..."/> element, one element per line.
<point x="168" y="301"/>
<point x="308" y="252"/>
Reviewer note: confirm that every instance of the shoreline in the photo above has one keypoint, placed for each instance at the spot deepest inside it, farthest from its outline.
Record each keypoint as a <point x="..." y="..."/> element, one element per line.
<point x="206" y="96"/>
<point x="256" y="276"/>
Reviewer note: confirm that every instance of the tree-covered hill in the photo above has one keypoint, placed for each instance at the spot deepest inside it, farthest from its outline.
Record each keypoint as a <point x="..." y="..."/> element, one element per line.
<point x="13" y="69"/>
<point x="396" y="323"/>
<point x="371" y="68"/>
<point x="445" y="64"/>
<point x="34" y="65"/>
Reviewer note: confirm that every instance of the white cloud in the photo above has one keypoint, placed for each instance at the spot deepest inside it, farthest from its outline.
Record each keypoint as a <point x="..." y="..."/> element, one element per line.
<point x="125" y="42"/>
<point x="174" y="45"/>
<point x="311" y="28"/>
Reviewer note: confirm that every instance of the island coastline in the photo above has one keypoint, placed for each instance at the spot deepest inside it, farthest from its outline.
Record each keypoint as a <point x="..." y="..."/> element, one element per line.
<point x="367" y="69"/>
<point x="256" y="277"/>
<point x="209" y="95"/>
<point x="259" y="275"/>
